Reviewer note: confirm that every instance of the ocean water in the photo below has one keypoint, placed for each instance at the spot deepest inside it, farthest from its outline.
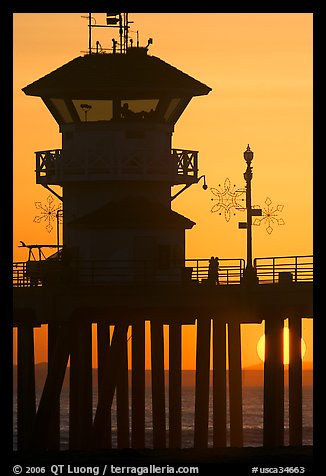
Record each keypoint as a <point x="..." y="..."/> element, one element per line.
<point x="252" y="417"/>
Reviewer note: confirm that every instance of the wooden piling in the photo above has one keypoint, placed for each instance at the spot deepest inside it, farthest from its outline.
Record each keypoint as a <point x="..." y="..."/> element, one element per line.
<point x="54" y="436"/>
<point x="46" y="420"/>
<point x="202" y="382"/>
<point x="158" y="387"/>
<point x="26" y="403"/>
<point x="122" y="394"/>
<point x="110" y="375"/>
<point x="175" y="383"/>
<point x="103" y="356"/>
<point x="235" y="384"/>
<point x="80" y="402"/>
<point x="295" y="381"/>
<point x="273" y="382"/>
<point x="219" y="383"/>
<point x="138" y="385"/>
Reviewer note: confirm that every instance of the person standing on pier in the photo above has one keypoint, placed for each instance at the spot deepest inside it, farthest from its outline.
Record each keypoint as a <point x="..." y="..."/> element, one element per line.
<point x="213" y="270"/>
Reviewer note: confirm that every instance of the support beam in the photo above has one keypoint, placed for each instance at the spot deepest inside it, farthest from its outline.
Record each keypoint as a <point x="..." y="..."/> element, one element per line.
<point x="26" y="403"/>
<point x="122" y="395"/>
<point x="54" y="436"/>
<point x="138" y="385"/>
<point x="47" y="413"/>
<point x="202" y="382"/>
<point x="175" y="383"/>
<point x="158" y="387"/>
<point x="110" y="370"/>
<point x="103" y="357"/>
<point x="235" y="385"/>
<point x="273" y="383"/>
<point x="295" y="381"/>
<point x="219" y="383"/>
<point x="80" y="422"/>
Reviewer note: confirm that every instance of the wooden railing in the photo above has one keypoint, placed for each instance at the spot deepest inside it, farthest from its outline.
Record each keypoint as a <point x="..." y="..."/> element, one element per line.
<point x="36" y="273"/>
<point x="269" y="271"/>
<point x="298" y="268"/>
<point x="53" y="165"/>
<point x="230" y="270"/>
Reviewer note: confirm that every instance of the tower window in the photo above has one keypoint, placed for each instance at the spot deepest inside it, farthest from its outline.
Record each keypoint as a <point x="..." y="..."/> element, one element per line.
<point x="61" y="106"/>
<point x="90" y="110"/>
<point x="138" y="109"/>
<point x="174" y="103"/>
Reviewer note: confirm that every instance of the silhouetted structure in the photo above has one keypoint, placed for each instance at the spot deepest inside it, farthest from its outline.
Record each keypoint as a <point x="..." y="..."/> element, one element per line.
<point x="123" y="263"/>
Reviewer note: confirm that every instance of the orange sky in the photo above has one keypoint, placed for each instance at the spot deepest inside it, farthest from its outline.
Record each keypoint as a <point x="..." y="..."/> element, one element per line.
<point x="259" y="67"/>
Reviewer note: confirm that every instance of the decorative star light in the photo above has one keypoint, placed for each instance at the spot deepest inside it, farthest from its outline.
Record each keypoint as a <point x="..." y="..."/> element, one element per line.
<point x="227" y="199"/>
<point x="49" y="212"/>
<point x="270" y="216"/>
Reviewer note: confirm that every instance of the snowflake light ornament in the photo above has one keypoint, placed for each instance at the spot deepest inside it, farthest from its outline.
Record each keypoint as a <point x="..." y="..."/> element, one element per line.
<point x="270" y="216"/>
<point x="48" y="213"/>
<point x="227" y="199"/>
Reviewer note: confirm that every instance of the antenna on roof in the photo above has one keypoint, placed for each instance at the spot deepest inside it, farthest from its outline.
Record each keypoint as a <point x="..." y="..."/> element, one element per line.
<point x="113" y="20"/>
<point x="90" y="33"/>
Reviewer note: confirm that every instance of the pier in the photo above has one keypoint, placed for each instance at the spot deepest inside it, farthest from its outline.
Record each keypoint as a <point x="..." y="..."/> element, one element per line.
<point x="212" y="309"/>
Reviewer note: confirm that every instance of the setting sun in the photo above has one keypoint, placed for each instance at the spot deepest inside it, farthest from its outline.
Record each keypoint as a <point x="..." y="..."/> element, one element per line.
<point x="286" y="359"/>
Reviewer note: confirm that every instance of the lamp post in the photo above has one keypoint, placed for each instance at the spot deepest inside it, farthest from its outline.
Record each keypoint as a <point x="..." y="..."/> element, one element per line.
<point x="250" y="274"/>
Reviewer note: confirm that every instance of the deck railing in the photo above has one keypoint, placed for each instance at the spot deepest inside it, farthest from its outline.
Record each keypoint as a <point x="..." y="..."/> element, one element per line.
<point x="298" y="268"/>
<point x="269" y="270"/>
<point x="230" y="270"/>
<point x="36" y="273"/>
<point x="52" y="165"/>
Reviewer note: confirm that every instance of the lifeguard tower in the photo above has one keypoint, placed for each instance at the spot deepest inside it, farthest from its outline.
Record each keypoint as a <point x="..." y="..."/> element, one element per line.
<point x="116" y="113"/>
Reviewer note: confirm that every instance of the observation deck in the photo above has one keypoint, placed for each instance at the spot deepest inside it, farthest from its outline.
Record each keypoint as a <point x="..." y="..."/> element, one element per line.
<point x="54" y="167"/>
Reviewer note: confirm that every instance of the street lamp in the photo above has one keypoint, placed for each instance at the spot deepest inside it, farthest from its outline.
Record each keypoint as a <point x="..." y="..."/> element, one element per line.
<point x="250" y="274"/>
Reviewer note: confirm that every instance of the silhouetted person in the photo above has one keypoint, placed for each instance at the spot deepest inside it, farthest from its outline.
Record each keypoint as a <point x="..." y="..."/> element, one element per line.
<point x="213" y="270"/>
<point x="126" y="113"/>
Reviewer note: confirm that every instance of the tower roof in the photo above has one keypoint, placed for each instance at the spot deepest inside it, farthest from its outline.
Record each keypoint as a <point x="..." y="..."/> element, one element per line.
<point x="108" y="75"/>
<point x="133" y="212"/>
